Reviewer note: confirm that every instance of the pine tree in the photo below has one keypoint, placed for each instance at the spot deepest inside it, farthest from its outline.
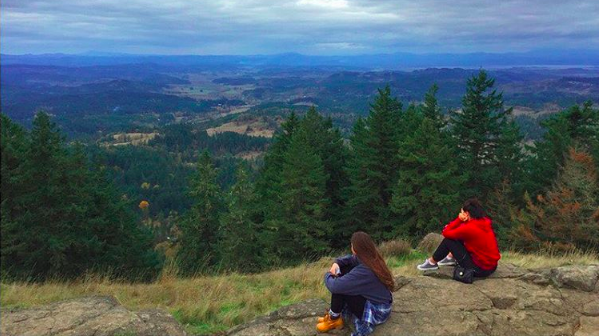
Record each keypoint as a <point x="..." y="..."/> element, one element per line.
<point x="430" y="109"/>
<point x="47" y="231"/>
<point x="427" y="192"/>
<point x="372" y="166"/>
<point x="575" y="126"/>
<point x="360" y="192"/>
<point x="118" y="243"/>
<point x="479" y="129"/>
<point x="302" y="230"/>
<point x="504" y="212"/>
<point x="268" y="185"/>
<point x="199" y="227"/>
<point x="239" y="247"/>
<point x="328" y="143"/>
<point x="509" y="154"/>
<point x="61" y="219"/>
<point x="13" y="144"/>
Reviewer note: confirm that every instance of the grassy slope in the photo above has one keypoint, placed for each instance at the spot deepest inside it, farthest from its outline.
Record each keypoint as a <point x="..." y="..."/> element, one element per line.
<point x="207" y="304"/>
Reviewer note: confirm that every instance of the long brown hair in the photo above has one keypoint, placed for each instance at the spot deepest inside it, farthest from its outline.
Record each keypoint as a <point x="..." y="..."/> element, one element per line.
<point x="370" y="256"/>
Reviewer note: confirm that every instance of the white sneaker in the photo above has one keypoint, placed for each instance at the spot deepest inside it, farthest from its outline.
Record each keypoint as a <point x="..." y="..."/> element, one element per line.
<point x="427" y="266"/>
<point x="447" y="261"/>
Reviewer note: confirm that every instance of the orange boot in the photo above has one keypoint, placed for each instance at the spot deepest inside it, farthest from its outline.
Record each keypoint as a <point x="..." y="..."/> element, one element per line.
<point x="326" y="323"/>
<point x="321" y="319"/>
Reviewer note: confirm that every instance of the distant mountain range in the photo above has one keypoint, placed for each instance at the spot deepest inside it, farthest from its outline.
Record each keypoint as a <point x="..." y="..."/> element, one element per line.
<point x="380" y="61"/>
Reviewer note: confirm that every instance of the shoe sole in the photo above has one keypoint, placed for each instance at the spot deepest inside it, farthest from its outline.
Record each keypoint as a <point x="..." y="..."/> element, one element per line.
<point x="446" y="264"/>
<point x="427" y="269"/>
<point x="335" y="328"/>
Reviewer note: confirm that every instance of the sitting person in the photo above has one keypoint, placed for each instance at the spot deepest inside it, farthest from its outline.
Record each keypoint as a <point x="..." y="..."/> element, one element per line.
<point x="360" y="286"/>
<point x="471" y="241"/>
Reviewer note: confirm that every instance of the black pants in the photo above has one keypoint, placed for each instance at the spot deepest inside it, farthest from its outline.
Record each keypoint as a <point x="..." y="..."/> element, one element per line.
<point x="355" y="304"/>
<point x="461" y="255"/>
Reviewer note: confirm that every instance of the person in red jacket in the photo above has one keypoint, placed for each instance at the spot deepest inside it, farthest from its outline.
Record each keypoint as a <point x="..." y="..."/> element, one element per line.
<point x="470" y="239"/>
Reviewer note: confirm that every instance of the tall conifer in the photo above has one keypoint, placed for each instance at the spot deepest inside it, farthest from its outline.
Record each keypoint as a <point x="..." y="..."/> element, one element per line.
<point x="427" y="192"/>
<point x="239" y="247"/>
<point x="373" y="166"/>
<point x="479" y="129"/>
<point x="199" y="227"/>
<point x="303" y="228"/>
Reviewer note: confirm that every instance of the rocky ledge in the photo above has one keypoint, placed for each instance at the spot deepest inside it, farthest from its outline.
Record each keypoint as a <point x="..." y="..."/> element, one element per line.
<point x="513" y="301"/>
<point x="96" y="315"/>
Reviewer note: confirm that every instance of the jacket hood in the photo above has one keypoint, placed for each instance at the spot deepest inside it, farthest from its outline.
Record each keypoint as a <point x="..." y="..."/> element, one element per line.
<point x="482" y="223"/>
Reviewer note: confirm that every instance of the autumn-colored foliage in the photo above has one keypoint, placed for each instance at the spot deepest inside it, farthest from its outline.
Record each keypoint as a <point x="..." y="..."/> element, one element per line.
<point x="144" y="205"/>
<point x="567" y="213"/>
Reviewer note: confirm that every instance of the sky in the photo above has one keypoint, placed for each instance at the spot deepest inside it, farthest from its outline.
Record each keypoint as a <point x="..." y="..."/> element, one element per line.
<point x="311" y="27"/>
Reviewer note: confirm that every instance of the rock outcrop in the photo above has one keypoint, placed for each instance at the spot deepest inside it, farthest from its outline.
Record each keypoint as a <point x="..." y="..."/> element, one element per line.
<point x="513" y="301"/>
<point x="97" y="316"/>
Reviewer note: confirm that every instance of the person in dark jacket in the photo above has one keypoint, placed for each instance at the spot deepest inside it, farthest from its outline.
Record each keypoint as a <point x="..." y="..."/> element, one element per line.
<point x="471" y="241"/>
<point x="360" y="286"/>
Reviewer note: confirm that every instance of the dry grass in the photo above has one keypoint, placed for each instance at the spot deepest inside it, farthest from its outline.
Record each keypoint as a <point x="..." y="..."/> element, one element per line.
<point x="136" y="139"/>
<point x="395" y="248"/>
<point x="549" y="259"/>
<point x="204" y="303"/>
<point x="248" y="127"/>
<point x="208" y="304"/>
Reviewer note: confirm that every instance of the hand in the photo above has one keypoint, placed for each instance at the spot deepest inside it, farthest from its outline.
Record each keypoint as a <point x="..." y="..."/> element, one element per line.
<point x="334" y="269"/>
<point x="464" y="216"/>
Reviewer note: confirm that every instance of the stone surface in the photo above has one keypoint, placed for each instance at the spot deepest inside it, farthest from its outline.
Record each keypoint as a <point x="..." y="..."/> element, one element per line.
<point x="578" y="277"/>
<point x="512" y="302"/>
<point x="98" y="316"/>
<point x="560" y="301"/>
<point x="589" y="326"/>
<point x="504" y="271"/>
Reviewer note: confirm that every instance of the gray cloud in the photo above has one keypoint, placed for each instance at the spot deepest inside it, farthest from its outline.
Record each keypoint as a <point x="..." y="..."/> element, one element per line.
<point x="306" y="26"/>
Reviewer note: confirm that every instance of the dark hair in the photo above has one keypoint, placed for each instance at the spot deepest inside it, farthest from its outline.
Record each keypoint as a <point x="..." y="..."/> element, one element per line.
<point x="474" y="208"/>
<point x="370" y="256"/>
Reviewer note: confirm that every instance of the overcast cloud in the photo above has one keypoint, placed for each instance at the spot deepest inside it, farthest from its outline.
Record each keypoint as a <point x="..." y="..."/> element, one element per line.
<point x="319" y="27"/>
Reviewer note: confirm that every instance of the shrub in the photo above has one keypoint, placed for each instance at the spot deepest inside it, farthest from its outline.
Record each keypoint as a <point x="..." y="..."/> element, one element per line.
<point x="395" y="248"/>
<point x="430" y="242"/>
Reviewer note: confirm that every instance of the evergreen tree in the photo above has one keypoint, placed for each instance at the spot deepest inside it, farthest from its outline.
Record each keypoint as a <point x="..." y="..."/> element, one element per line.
<point x="372" y="166"/>
<point x="575" y="126"/>
<point x="13" y="144"/>
<point x="509" y="154"/>
<point x="199" y="227"/>
<point x="51" y="223"/>
<point x="120" y="244"/>
<point x="427" y="192"/>
<point x="239" y="247"/>
<point x="431" y="109"/>
<point x="302" y="230"/>
<point x="359" y="203"/>
<point x="327" y="142"/>
<point x="268" y="185"/>
<point x="480" y="129"/>
<point x="504" y="212"/>
<point x="62" y="219"/>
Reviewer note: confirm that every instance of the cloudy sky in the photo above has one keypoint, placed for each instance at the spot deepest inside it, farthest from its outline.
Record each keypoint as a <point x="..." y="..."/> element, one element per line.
<point x="317" y="27"/>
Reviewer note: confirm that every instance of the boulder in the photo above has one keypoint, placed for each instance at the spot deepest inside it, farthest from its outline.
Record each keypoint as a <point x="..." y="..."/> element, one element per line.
<point x="579" y="277"/>
<point x="97" y="315"/>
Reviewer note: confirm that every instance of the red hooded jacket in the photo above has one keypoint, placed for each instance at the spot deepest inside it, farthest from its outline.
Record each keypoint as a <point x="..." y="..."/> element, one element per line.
<point x="479" y="240"/>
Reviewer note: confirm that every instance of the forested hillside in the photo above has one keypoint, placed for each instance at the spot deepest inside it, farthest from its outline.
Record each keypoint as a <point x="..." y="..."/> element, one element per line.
<point x="403" y="171"/>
